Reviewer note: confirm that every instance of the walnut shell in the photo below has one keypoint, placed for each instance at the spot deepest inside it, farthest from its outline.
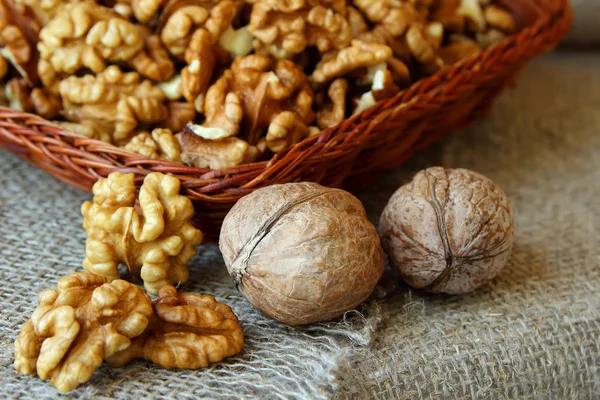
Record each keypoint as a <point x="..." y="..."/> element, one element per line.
<point x="301" y="252"/>
<point x="447" y="231"/>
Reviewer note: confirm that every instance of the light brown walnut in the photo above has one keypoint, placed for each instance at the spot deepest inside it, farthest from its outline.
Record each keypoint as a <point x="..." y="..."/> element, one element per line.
<point x="201" y="54"/>
<point x="423" y="50"/>
<point x="87" y="35"/>
<point x="107" y="87"/>
<point x="459" y="51"/>
<point x="359" y="55"/>
<point x="19" y="31"/>
<point x="179" y="114"/>
<point x="118" y="102"/>
<point x="45" y="104"/>
<point x="45" y="10"/>
<point x="153" y="61"/>
<point x="499" y="19"/>
<point x="88" y="129"/>
<point x="246" y="99"/>
<point x="447" y="231"/>
<point x="382" y="87"/>
<point x="18" y="94"/>
<point x="186" y="331"/>
<point x="338" y="266"/>
<point x="285" y="31"/>
<point x="78" y="325"/>
<point x="201" y="61"/>
<point x="214" y="154"/>
<point x="489" y="38"/>
<point x="160" y="144"/>
<point x="334" y="111"/>
<point x="395" y="16"/>
<point x="180" y="26"/>
<point x="473" y="13"/>
<point x="144" y="10"/>
<point x="155" y="241"/>
<point x="446" y="13"/>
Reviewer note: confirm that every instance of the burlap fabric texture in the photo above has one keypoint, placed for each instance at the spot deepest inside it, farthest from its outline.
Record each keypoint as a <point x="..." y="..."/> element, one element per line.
<point x="534" y="332"/>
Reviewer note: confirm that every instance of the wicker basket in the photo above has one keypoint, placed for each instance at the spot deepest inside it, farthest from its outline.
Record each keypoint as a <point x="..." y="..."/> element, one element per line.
<point x="347" y="155"/>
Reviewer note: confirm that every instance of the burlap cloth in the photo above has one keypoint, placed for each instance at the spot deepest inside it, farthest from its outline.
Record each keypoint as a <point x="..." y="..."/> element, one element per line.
<point x="533" y="332"/>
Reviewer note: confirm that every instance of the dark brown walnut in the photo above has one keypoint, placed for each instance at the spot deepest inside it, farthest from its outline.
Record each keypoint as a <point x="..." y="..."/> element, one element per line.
<point x="448" y="231"/>
<point x="301" y="252"/>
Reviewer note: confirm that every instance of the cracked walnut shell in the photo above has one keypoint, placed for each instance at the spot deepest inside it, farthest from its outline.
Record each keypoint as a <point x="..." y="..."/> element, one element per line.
<point x="77" y="326"/>
<point x="155" y="241"/>
<point x="301" y="252"/>
<point x="447" y="231"/>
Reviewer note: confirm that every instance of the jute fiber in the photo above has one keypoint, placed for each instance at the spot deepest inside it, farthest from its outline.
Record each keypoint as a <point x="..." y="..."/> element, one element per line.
<point x="534" y="332"/>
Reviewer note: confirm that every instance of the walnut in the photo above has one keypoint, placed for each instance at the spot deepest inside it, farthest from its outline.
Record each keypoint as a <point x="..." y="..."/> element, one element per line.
<point x="423" y="50"/>
<point x="201" y="53"/>
<point x="180" y="114"/>
<point x="447" y="231"/>
<point x="88" y="129"/>
<point x="87" y="35"/>
<point x="155" y="242"/>
<point x="214" y="154"/>
<point x="237" y="42"/>
<point x="359" y="54"/>
<point x="257" y="89"/>
<point x="458" y="51"/>
<point x="180" y="26"/>
<point x="471" y="10"/>
<point x="133" y="111"/>
<point x="45" y="10"/>
<point x="487" y="39"/>
<point x="383" y="87"/>
<point x="284" y="31"/>
<point x="285" y="130"/>
<point x="77" y="326"/>
<point x="121" y="7"/>
<point x="446" y="13"/>
<point x="339" y="265"/>
<point x="119" y="102"/>
<point x="107" y="87"/>
<point x="499" y="19"/>
<point x="201" y="59"/>
<point x="153" y="61"/>
<point x="358" y="25"/>
<point x="45" y="104"/>
<point x="335" y="111"/>
<point x="171" y="88"/>
<point x="160" y="144"/>
<point x="186" y="331"/>
<point x="395" y="16"/>
<point x="48" y="76"/>
<point x="18" y="36"/>
<point x="18" y="94"/>
<point x="144" y="10"/>
<point x="435" y="34"/>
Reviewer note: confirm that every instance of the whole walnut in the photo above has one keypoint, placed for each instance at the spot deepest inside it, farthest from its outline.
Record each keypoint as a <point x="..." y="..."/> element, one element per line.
<point x="301" y="252"/>
<point x="447" y="231"/>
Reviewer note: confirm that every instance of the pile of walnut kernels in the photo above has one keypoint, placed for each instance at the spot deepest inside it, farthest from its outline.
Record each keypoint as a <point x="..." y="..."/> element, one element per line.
<point x="251" y="77"/>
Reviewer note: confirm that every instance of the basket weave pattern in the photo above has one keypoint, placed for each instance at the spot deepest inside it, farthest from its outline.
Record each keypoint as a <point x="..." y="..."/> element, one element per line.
<point x="347" y="155"/>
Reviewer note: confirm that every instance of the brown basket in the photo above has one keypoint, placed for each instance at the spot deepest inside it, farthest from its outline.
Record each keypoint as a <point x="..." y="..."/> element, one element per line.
<point x="347" y="155"/>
